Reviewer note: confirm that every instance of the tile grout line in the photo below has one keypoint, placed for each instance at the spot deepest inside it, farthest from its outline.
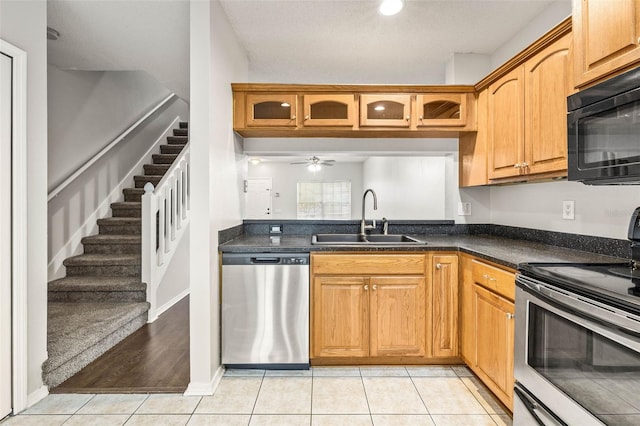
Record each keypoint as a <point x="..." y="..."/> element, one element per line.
<point x="257" y="395"/>
<point x="420" y="395"/>
<point x="364" y="388"/>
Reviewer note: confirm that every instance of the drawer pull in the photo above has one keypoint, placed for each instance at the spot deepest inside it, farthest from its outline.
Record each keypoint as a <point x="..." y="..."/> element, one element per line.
<point x="375" y="287"/>
<point x="366" y="287"/>
<point x="438" y="265"/>
<point x="510" y="316"/>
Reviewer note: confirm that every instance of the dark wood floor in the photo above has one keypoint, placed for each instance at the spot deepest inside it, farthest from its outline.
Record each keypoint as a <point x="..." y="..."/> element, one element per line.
<point x="154" y="359"/>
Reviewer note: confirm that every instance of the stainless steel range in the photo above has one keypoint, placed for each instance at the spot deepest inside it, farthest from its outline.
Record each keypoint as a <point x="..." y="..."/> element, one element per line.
<point x="577" y="354"/>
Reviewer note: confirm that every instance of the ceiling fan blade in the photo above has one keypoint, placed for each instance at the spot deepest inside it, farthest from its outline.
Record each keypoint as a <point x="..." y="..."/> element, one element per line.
<point x="322" y="163"/>
<point x="301" y="162"/>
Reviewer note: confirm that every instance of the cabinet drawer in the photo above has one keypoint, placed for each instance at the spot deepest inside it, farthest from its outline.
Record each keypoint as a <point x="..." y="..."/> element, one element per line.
<point x="368" y="264"/>
<point x="495" y="279"/>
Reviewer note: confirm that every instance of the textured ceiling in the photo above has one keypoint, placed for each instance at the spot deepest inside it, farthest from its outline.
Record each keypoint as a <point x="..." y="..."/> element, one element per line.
<point x="113" y="35"/>
<point x="347" y="41"/>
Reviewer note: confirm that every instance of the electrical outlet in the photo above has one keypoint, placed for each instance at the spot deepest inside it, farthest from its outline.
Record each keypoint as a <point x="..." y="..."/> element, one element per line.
<point x="464" y="209"/>
<point x="568" y="210"/>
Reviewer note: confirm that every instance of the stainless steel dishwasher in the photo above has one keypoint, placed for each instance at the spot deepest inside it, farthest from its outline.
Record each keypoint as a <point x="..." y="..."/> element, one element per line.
<point x="265" y="310"/>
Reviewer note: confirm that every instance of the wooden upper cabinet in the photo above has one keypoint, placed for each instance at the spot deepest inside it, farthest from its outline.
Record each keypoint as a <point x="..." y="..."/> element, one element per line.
<point x="385" y="110"/>
<point x="506" y="126"/>
<point x="442" y="109"/>
<point x="329" y="110"/>
<point x="340" y="317"/>
<point x="547" y="85"/>
<point x="527" y="119"/>
<point x="606" y="38"/>
<point x="397" y="316"/>
<point x="273" y="109"/>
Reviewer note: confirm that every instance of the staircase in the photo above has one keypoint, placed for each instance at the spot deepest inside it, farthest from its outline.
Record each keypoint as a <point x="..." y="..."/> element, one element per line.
<point x="102" y="299"/>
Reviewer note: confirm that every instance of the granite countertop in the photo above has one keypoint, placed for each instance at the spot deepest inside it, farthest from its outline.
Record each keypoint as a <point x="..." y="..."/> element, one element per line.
<point x="503" y="251"/>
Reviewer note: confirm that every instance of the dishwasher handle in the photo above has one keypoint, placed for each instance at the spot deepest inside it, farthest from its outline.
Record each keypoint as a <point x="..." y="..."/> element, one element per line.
<point x="266" y="260"/>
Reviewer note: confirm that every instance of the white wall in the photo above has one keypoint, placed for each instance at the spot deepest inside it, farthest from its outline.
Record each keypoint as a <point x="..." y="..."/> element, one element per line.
<point x="285" y="177"/>
<point x="23" y="24"/>
<point x="175" y="282"/>
<point x="407" y="187"/>
<point x="547" y="19"/>
<point x="217" y="59"/>
<point x="89" y="109"/>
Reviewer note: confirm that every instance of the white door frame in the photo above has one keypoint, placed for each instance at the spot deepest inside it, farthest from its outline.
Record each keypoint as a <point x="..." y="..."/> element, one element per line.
<point x="19" y="225"/>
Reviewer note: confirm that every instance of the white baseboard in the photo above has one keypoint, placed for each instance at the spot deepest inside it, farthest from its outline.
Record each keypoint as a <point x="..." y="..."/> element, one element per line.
<point x="203" y="389"/>
<point x="36" y="396"/>
<point x="73" y="247"/>
<point x="168" y="305"/>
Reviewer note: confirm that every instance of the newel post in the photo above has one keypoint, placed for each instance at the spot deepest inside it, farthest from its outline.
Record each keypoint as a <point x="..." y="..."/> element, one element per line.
<point x="149" y="244"/>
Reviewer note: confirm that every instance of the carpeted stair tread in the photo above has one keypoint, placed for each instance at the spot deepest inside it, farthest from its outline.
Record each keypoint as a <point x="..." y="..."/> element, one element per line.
<point x="127" y="205"/>
<point x="103" y="260"/>
<point x="180" y="132"/>
<point x="184" y="124"/>
<point x="164" y="158"/>
<point x="112" y="239"/>
<point x="97" y="284"/>
<point x="177" y="140"/>
<point x="171" y="149"/>
<point x="156" y="169"/>
<point x="74" y="327"/>
<point x="120" y="221"/>
<point x="133" y="194"/>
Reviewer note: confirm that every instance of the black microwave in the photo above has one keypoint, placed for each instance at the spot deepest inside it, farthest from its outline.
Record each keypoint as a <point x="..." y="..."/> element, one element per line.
<point x="604" y="132"/>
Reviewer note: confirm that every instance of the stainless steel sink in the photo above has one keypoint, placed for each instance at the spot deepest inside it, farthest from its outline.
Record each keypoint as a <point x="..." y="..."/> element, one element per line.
<point x="357" y="239"/>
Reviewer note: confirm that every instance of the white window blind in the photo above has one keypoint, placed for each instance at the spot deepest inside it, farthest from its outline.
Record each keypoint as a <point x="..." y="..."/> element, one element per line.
<point x="324" y="200"/>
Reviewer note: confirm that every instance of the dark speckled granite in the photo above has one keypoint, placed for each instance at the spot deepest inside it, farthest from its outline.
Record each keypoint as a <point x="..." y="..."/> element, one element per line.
<point x="506" y="245"/>
<point x="599" y="245"/>
<point x="230" y="233"/>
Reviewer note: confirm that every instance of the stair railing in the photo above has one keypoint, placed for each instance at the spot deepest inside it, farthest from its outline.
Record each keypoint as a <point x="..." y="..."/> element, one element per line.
<point x="165" y="216"/>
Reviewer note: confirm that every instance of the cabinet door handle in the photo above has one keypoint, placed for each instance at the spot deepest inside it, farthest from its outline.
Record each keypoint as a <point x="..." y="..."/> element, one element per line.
<point x="407" y="118"/>
<point x="485" y="276"/>
<point x="421" y="118"/>
<point x="517" y="165"/>
<point x="293" y="117"/>
<point x="375" y="287"/>
<point x="492" y="279"/>
<point x="438" y="265"/>
<point x="525" y="164"/>
<point x="366" y="287"/>
<point x="306" y="117"/>
<point x="510" y="315"/>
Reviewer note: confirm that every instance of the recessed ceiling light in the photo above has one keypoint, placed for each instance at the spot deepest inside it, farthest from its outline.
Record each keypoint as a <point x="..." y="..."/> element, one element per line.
<point x="255" y="161"/>
<point x="390" y="7"/>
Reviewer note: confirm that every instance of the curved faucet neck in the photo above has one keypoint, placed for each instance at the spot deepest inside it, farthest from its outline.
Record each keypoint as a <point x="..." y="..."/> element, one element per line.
<point x="363" y="225"/>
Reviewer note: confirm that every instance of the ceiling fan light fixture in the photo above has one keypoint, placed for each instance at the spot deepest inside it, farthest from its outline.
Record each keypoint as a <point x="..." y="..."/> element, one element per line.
<point x="390" y="7"/>
<point x="314" y="167"/>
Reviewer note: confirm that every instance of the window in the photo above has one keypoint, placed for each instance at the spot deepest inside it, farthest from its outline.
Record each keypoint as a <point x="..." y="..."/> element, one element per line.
<point x="324" y="200"/>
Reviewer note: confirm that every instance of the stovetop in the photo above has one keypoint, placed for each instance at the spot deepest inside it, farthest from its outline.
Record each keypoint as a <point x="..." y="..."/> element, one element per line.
<point x="617" y="284"/>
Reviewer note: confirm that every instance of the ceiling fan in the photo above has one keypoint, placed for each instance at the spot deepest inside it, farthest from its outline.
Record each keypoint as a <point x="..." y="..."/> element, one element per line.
<point x="314" y="163"/>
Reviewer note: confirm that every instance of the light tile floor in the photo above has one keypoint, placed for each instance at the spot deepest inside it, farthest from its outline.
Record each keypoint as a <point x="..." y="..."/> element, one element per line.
<point x="334" y="396"/>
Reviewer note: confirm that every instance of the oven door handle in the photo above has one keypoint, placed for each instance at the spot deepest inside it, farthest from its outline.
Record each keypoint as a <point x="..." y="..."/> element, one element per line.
<point x="592" y="310"/>
<point x="533" y="407"/>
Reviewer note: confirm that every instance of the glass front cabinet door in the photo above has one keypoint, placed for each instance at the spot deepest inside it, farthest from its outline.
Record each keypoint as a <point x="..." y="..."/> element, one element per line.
<point x="382" y="110"/>
<point x="329" y="110"/>
<point x="271" y="109"/>
<point x="442" y="110"/>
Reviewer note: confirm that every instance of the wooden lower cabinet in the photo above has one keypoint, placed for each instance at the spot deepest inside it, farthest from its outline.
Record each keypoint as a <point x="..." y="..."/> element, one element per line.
<point x="397" y="316"/>
<point x="487" y="324"/>
<point x="494" y="332"/>
<point x="444" y="303"/>
<point x="340" y="317"/>
<point x="369" y="306"/>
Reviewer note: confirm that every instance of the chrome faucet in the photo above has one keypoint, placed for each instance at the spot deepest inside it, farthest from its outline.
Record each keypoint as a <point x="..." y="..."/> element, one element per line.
<point x="363" y="225"/>
<point x="385" y="226"/>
